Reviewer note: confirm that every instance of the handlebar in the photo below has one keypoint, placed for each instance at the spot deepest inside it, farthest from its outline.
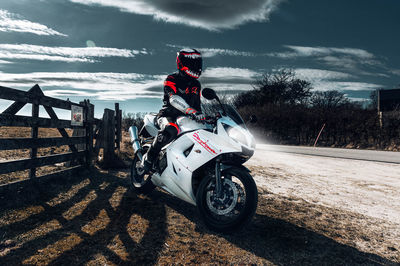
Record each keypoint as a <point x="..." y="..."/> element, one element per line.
<point x="208" y="119"/>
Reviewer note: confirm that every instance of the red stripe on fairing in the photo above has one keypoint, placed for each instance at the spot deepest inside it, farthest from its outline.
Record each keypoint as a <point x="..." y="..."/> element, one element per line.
<point x="203" y="143"/>
<point x="170" y="84"/>
<point x="175" y="125"/>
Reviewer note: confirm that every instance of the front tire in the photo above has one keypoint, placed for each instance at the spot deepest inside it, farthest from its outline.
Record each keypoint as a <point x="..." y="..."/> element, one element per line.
<point x="237" y="206"/>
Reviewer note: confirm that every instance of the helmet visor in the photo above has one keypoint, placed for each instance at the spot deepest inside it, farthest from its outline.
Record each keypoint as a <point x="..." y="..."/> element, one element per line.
<point x="192" y="61"/>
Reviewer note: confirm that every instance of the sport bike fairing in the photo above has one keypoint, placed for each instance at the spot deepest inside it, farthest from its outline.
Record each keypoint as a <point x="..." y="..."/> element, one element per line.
<point x="177" y="177"/>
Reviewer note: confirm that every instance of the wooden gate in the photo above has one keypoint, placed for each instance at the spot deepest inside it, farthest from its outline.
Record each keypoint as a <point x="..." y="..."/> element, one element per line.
<point x="36" y="97"/>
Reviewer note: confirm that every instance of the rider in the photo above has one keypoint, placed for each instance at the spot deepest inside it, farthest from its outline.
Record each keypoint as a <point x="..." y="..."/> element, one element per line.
<point x="182" y="93"/>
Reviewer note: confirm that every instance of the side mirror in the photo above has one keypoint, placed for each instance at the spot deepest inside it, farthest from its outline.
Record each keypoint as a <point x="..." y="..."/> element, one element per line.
<point x="209" y="94"/>
<point x="253" y="119"/>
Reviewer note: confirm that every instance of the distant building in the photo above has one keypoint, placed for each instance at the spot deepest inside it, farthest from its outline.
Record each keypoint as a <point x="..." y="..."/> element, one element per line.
<point x="388" y="100"/>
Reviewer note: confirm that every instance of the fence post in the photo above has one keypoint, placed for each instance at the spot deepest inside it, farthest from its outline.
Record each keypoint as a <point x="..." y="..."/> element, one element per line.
<point x="89" y="131"/>
<point x="109" y="135"/>
<point x="34" y="135"/>
<point x="118" y="132"/>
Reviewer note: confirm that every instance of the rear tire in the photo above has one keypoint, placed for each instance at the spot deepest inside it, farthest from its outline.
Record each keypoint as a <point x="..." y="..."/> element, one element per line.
<point x="236" y="208"/>
<point x="141" y="185"/>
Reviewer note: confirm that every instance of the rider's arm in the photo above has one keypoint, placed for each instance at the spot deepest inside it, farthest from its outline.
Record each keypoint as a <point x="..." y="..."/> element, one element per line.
<point x="175" y="100"/>
<point x="180" y="104"/>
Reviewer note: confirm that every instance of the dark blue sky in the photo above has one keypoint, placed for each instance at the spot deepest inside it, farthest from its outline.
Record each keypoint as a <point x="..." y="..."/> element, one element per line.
<point x="109" y="52"/>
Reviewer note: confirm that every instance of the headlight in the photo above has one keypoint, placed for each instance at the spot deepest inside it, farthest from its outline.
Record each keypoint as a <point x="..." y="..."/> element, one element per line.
<point x="235" y="134"/>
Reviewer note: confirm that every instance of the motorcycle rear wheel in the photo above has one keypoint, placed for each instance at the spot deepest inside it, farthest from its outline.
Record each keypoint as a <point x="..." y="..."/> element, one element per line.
<point x="237" y="206"/>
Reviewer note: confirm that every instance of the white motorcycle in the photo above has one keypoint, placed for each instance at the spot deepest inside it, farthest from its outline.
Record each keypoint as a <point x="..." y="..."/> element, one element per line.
<point x="202" y="166"/>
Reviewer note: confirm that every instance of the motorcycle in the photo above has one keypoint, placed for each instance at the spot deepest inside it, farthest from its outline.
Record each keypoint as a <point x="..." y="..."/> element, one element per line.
<point x="202" y="166"/>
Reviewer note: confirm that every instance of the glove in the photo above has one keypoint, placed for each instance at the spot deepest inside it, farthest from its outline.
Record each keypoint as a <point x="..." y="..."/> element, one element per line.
<point x="198" y="117"/>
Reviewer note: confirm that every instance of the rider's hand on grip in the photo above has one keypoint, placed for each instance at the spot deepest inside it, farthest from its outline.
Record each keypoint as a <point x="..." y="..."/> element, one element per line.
<point x="199" y="117"/>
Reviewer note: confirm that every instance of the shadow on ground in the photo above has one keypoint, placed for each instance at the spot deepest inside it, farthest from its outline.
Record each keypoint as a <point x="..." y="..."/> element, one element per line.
<point x="91" y="223"/>
<point x="281" y="242"/>
<point x="97" y="219"/>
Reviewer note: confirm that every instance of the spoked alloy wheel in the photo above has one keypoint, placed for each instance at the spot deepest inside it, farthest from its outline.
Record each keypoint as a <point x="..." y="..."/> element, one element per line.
<point x="235" y="207"/>
<point x="140" y="182"/>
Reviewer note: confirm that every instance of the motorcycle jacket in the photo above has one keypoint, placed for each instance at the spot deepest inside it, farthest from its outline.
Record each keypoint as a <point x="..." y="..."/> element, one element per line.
<point x="181" y="96"/>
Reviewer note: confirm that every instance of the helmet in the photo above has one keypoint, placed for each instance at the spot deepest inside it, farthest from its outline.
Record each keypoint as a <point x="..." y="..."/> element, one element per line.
<point x="189" y="61"/>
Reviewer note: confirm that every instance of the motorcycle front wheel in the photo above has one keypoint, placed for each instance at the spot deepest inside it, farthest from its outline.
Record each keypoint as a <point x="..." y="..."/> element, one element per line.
<point x="237" y="204"/>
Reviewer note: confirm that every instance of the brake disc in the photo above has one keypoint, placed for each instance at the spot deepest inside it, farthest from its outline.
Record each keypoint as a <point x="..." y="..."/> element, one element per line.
<point x="227" y="203"/>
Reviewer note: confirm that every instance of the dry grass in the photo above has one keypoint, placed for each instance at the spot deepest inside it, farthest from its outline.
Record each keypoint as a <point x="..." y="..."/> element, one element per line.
<point x="95" y="219"/>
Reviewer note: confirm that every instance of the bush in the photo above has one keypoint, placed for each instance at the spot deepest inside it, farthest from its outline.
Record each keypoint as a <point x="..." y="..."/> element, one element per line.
<point x="132" y="119"/>
<point x="288" y="113"/>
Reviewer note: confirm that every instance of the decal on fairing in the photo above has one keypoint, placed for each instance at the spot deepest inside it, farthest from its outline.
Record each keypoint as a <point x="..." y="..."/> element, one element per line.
<point x="203" y="143"/>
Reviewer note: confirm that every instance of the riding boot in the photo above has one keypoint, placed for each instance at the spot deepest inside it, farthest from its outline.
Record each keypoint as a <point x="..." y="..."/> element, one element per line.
<point x="148" y="159"/>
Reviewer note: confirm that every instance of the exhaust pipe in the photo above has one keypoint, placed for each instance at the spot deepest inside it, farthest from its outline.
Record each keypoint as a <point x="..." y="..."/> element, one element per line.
<point x="133" y="132"/>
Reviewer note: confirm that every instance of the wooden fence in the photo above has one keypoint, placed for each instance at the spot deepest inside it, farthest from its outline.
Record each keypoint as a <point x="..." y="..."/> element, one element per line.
<point x="108" y="134"/>
<point x="81" y="149"/>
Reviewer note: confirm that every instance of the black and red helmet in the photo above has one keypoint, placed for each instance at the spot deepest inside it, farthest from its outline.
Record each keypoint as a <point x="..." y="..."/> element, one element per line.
<point x="189" y="61"/>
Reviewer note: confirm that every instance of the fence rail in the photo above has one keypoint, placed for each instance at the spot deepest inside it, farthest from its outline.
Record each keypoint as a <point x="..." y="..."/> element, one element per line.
<point x="28" y="121"/>
<point x="33" y="96"/>
<point x="23" y="164"/>
<point x="29" y="143"/>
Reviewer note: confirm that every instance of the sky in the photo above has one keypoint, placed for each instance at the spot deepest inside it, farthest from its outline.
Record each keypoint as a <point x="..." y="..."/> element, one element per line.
<point x="111" y="51"/>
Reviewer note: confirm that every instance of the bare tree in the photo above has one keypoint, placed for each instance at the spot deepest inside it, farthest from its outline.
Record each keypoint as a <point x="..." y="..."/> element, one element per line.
<point x="373" y="96"/>
<point x="328" y="100"/>
<point x="280" y="87"/>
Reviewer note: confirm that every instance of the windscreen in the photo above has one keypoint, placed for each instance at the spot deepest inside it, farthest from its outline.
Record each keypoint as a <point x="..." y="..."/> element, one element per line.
<point x="211" y="109"/>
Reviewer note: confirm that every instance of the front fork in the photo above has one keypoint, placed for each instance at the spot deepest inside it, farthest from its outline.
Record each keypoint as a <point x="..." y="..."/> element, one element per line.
<point x="139" y="155"/>
<point x="137" y="149"/>
<point x="218" y="182"/>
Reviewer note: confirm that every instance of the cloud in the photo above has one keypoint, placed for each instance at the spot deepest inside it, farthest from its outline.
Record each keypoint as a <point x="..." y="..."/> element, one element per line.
<point x="307" y="51"/>
<point x="10" y="22"/>
<point x="346" y="62"/>
<point x="320" y="74"/>
<point x="211" y="52"/>
<point x="228" y="79"/>
<point x="356" y="60"/>
<point x="99" y="85"/>
<point x="346" y="86"/>
<point x="395" y="72"/>
<point x="206" y="14"/>
<point x="64" y="54"/>
<point x="316" y="51"/>
<point x="230" y="73"/>
<point x="323" y="80"/>
<point x="122" y="86"/>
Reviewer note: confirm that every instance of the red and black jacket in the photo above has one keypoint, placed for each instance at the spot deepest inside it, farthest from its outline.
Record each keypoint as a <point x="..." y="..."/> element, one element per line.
<point x="184" y="86"/>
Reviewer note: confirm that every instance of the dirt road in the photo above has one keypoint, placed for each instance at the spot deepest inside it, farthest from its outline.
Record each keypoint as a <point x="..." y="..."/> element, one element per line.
<point x="368" y="191"/>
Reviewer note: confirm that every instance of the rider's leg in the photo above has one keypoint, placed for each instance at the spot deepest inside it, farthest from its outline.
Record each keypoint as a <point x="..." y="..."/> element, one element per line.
<point x="168" y="131"/>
